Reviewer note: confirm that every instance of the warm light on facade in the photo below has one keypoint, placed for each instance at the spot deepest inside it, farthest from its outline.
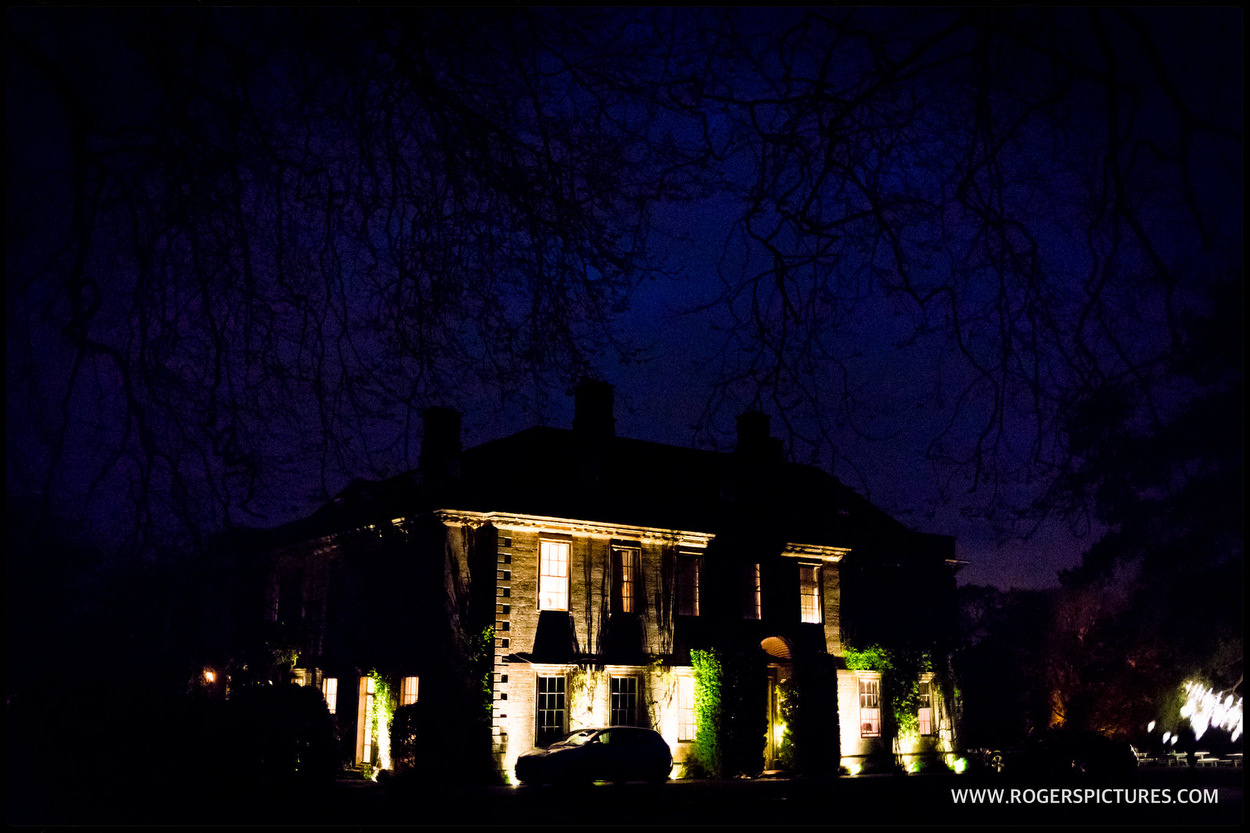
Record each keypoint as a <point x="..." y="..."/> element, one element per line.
<point x="210" y="676"/>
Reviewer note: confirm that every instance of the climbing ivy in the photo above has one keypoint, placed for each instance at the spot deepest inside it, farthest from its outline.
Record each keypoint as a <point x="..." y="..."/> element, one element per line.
<point x="708" y="681"/>
<point x="381" y="714"/>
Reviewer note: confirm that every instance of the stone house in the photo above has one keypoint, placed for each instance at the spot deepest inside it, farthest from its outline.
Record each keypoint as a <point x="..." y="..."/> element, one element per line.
<point x="562" y="578"/>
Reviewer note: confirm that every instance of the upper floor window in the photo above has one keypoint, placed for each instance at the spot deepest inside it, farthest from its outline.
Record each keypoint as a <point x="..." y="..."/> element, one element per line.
<point x="870" y="706"/>
<point x="626" y="562"/>
<point x="553" y="575"/>
<point x="751" y="592"/>
<point x="925" y="708"/>
<point x="687" y="574"/>
<point x="809" y="593"/>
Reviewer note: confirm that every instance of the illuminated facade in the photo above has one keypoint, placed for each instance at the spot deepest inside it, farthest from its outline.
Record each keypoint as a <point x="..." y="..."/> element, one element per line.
<point x="597" y="564"/>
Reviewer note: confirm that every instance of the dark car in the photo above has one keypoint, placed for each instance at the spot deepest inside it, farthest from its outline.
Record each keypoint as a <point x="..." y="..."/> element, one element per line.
<point x="1064" y="753"/>
<point x="616" y="753"/>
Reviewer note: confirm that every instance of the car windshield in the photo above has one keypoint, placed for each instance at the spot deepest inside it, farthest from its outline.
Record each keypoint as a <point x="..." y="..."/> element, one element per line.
<point x="575" y="738"/>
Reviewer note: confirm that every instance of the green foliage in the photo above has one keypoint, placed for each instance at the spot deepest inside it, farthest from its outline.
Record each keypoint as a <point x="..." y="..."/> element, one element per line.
<point x="788" y="704"/>
<point x="381" y="713"/>
<point x="870" y="658"/>
<point x="483" y="664"/>
<point x="708" y="683"/>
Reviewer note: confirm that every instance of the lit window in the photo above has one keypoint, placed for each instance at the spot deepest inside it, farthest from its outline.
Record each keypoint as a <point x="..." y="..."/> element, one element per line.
<point x="364" y="710"/>
<point x="685" y="708"/>
<point x="549" y="710"/>
<point x="925" y="712"/>
<point x="408" y="691"/>
<point x="870" y="707"/>
<point x="624" y="701"/>
<point x="751" y="592"/>
<point x="553" y="575"/>
<point x="809" y="593"/>
<point x="688" y="584"/>
<point x="625" y="563"/>
<point x="330" y="691"/>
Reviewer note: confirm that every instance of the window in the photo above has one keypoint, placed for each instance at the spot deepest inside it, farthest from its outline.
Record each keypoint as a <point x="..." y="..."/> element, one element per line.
<point x="553" y="575"/>
<point x="688" y="567"/>
<point x="624" y="701"/>
<point x="408" y="691"/>
<point x="330" y="691"/>
<point x="625" y="564"/>
<point x="549" y="710"/>
<point x="925" y="710"/>
<point x="870" y="707"/>
<point x="751" y="592"/>
<point x="364" y="709"/>
<point x="809" y="593"/>
<point x="685" y="708"/>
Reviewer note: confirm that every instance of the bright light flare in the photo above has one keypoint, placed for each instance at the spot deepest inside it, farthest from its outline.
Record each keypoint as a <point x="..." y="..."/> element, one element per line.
<point x="1205" y="708"/>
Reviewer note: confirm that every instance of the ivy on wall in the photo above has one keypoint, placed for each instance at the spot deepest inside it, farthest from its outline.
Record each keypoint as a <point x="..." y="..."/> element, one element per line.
<point x="381" y="715"/>
<point x="708" y="681"/>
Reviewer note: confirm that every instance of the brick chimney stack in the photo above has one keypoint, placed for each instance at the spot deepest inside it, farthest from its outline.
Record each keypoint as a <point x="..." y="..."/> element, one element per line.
<point x="440" y="445"/>
<point x="593" y="419"/>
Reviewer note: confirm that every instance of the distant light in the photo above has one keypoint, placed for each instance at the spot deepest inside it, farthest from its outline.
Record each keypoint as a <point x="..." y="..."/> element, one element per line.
<point x="1150" y="727"/>
<point x="210" y="675"/>
<point x="1166" y="735"/>
<point x="1205" y="709"/>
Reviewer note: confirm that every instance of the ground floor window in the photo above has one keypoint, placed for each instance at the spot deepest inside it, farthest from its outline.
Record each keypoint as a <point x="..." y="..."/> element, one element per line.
<point x="925" y="711"/>
<point x="624" y="701"/>
<point x="870" y="707"/>
<point x="549" y="708"/>
<point x="408" y="691"/>
<point x="364" y="710"/>
<point x="330" y="691"/>
<point x="685" y="708"/>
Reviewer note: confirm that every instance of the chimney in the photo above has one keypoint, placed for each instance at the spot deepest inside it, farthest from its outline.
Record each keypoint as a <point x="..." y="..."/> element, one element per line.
<point x="753" y="437"/>
<point x="592" y="417"/>
<point x="440" y="445"/>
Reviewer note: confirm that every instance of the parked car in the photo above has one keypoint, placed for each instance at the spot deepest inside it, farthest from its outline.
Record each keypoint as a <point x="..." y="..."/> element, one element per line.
<point x="615" y="753"/>
<point x="1063" y="753"/>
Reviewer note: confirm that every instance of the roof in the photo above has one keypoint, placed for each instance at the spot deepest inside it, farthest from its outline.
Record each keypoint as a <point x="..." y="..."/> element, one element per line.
<point x="563" y="473"/>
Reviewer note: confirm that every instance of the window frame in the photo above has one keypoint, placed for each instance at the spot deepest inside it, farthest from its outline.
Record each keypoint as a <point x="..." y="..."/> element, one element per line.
<point x="869" y="715"/>
<point x="548" y="731"/>
<point x="811" y="597"/>
<point x="408" y="690"/>
<point x="330" y="693"/>
<point x="687" y="726"/>
<point x="632" y="713"/>
<point x="925" y="725"/>
<point x="626" y="578"/>
<point x="553" y="587"/>
<point x="687" y="576"/>
<point x="753" y="591"/>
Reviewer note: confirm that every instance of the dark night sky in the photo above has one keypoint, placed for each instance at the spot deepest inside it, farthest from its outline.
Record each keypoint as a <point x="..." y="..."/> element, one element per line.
<point x="148" y="247"/>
